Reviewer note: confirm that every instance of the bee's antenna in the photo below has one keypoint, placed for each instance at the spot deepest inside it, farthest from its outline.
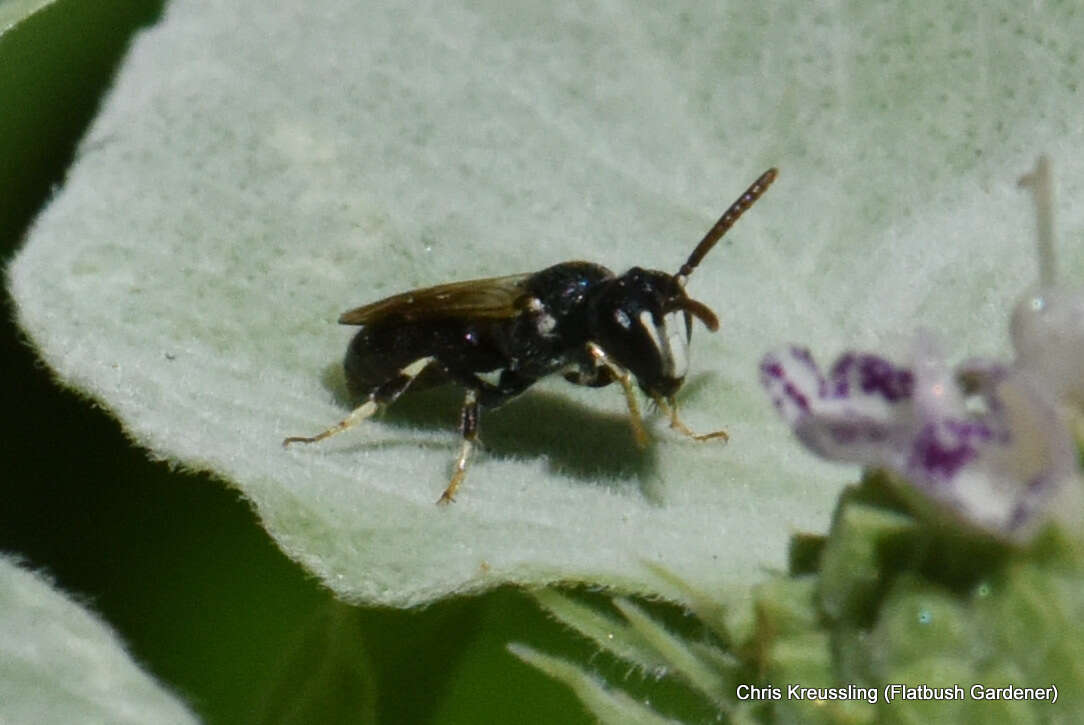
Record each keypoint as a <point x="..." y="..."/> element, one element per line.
<point x="726" y="221"/>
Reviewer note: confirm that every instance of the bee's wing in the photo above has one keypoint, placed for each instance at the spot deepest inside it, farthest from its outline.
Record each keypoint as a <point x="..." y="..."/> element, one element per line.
<point x="495" y="297"/>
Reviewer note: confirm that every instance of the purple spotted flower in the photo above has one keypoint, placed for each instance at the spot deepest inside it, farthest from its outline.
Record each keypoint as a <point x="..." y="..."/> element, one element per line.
<point x="997" y="454"/>
<point x="992" y="442"/>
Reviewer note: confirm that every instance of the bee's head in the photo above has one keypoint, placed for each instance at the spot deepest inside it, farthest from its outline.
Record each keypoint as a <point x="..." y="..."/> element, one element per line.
<point x="643" y="320"/>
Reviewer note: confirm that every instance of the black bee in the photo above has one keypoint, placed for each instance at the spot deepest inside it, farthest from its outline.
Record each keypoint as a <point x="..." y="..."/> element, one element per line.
<point x="575" y="318"/>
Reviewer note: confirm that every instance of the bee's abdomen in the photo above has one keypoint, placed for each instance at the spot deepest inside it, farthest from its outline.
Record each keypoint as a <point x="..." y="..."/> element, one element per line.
<point x="378" y="353"/>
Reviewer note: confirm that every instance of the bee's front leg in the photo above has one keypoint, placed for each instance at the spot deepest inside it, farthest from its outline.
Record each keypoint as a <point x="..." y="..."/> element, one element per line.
<point x="623" y="376"/>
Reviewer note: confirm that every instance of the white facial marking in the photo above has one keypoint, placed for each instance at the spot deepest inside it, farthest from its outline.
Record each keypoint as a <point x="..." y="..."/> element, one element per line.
<point x="657" y="340"/>
<point x="669" y="339"/>
<point x="622" y="319"/>
<point x="674" y="327"/>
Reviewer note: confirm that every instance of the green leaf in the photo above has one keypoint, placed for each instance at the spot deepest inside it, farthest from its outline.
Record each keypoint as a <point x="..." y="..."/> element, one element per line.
<point x="255" y="172"/>
<point x="60" y="664"/>
<point x="606" y="631"/>
<point x="608" y="705"/>
<point x="677" y="651"/>
<point x="324" y="678"/>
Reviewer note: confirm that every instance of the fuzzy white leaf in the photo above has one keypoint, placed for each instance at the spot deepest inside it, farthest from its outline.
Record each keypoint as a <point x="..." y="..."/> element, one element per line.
<point x="259" y="168"/>
<point x="60" y="664"/>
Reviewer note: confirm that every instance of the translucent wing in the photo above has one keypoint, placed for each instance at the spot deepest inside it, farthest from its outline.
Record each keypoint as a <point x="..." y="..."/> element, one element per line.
<point x="494" y="297"/>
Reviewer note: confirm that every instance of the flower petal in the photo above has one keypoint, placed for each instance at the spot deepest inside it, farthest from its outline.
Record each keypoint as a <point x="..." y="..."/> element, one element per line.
<point x="999" y="467"/>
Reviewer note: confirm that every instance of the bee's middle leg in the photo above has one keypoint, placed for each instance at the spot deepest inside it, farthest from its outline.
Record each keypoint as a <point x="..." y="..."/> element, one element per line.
<point x="669" y="406"/>
<point x="468" y="428"/>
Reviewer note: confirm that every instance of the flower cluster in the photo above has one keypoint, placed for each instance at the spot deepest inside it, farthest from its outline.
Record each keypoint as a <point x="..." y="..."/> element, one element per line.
<point x="992" y="442"/>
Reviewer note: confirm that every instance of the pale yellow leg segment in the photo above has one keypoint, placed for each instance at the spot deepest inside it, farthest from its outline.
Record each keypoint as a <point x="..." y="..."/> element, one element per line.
<point x="360" y="413"/>
<point x="622" y="376"/>
<point x="368" y="408"/>
<point x="468" y="426"/>
<point x="669" y="407"/>
<point x="460" y="473"/>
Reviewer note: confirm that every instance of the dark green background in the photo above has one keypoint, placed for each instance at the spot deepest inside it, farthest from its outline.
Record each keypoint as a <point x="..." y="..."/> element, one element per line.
<point x="178" y="563"/>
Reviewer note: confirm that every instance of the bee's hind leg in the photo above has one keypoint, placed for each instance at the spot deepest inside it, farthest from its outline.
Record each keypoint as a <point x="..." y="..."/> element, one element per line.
<point x="468" y="427"/>
<point x="381" y="397"/>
